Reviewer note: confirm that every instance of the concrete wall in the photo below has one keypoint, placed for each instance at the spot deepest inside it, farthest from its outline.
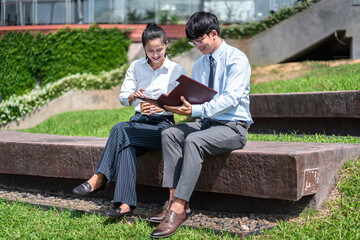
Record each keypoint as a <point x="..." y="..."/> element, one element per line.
<point x="302" y="31"/>
<point x="354" y="31"/>
<point x="71" y="101"/>
<point x="187" y="59"/>
<point x="296" y="34"/>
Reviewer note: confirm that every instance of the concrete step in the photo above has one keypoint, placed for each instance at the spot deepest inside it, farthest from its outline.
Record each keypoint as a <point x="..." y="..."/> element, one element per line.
<point x="285" y="171"/>
<point x="336" y="112"/>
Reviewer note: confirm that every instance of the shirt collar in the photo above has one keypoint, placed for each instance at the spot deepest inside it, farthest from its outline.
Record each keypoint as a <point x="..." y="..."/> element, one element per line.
<point x="166" y="63"/>
<point x="216" y="55"/>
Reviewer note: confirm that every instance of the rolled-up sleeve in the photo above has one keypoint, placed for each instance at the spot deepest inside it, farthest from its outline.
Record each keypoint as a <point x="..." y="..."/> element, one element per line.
<point x="129" y="85"/>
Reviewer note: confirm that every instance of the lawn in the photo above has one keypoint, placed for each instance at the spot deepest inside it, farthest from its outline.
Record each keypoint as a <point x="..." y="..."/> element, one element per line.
<point x="23" y="221"/>
<point x="340" y="218"/>
<point x="98" y="123"/>
<point x="339" y="78"/>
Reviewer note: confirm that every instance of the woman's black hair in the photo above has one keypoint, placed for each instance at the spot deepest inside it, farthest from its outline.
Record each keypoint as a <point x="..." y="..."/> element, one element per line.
<point x="151" y="32"/>
<point x="201" y="23"/>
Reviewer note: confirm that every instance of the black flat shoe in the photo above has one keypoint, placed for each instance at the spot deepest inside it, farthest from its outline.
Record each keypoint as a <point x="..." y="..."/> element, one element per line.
<point x="116" y="213"/>
<point x="84" y="189"/>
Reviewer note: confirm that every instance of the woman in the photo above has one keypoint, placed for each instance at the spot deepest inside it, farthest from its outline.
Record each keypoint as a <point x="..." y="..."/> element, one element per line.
<point x="148" y="77"/>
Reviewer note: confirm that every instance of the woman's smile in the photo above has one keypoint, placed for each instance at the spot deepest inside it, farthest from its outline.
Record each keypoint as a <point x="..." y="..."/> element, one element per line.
<point x="156" y="58"/>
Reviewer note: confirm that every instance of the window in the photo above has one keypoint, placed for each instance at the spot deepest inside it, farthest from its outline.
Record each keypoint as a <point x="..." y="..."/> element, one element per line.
<point x="16" y="12"/>
<point x="25" y="12"/>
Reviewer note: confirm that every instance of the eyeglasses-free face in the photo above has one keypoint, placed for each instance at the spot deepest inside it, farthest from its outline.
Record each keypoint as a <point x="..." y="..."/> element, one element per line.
<point x="197" y="42"/>
<point x="155" y="50"/>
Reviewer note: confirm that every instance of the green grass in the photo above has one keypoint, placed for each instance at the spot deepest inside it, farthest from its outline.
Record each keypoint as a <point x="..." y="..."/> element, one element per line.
<point x="98" y="123"/>
<point x="340" y="219"/>
<point x="346" y="77"/>
<point x="91" y="123"/>
<point x="293" y="137"/>
<point x="23" y="221"/>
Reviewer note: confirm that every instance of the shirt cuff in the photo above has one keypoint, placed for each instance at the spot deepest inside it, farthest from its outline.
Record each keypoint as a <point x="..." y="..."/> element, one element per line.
<point x="124" y="100"/>
<point x="196" y="110"/>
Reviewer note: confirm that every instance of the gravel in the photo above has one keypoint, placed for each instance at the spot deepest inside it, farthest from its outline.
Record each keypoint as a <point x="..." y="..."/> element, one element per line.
<point x="234" y="223"/>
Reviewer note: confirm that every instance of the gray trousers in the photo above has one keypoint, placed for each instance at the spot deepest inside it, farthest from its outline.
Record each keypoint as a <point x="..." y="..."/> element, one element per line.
<point x="185" y="145"/>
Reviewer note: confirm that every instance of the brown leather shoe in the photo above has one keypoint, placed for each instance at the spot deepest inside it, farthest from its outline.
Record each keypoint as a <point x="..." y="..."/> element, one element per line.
<point x="160" y="216"/>
<point x="170" y="224"/>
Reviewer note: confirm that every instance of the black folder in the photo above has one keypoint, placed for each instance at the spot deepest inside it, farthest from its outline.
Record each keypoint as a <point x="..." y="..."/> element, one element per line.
<point x="193" y="91"/>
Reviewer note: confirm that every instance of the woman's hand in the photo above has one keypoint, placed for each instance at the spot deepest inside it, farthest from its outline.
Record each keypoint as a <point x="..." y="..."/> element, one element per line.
<point x="136" y="94"/>
<point x="148" y="108"/>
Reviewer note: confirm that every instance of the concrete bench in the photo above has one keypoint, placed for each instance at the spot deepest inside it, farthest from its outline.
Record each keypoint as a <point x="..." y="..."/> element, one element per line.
<point x="283" y="171"/>
<point x="311" y="112"/>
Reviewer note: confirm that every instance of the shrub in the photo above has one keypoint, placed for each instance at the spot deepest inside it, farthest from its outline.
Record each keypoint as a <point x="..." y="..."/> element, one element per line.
<point x="28" y="59"/>
<point x="17" y="106"/>
<point x="18" y="63"/>
<point x="179" y="46"/>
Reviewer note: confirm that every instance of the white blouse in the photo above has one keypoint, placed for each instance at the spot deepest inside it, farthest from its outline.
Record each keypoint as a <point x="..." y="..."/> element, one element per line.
<point x="141" y="75"/>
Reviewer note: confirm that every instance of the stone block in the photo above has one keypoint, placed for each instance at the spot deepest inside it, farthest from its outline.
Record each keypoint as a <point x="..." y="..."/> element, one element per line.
<point x="311" y="112"/>
<point x="306" y="104"/>
<point x="272" y="170"/>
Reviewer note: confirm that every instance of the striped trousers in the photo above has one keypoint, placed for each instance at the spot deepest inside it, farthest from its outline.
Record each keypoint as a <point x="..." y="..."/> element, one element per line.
<point x="126" y="141"/>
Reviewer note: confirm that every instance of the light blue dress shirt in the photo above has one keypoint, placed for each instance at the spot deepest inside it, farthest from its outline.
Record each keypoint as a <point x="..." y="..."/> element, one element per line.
<point x="141" y="75"/>
<point x="232" y="82"/>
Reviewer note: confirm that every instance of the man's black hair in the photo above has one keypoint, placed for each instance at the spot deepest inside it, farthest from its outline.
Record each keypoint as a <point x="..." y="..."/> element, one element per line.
<point x="201" y="23"/>
<point x="151" y="32"/>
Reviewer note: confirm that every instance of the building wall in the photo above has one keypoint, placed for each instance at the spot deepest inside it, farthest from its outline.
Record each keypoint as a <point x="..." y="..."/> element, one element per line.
<point x="44" y="12"/>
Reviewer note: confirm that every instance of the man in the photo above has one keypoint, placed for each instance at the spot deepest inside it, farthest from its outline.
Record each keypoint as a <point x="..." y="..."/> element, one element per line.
<point x="223" y="122"/>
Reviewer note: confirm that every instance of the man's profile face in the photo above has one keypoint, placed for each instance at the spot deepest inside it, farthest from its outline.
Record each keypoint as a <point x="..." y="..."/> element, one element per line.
<point x="207" y="43"/>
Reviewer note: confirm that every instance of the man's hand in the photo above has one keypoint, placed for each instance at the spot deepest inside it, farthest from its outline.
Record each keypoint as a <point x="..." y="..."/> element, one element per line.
<point x="149" y="109"/>
<point x="185" y="109"/>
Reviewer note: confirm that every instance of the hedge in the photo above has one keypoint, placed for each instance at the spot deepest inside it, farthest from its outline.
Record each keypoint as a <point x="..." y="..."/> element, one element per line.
<point x="29" y="59"/>
<point x="179" y="46"/>
<point x="17" y="106"/>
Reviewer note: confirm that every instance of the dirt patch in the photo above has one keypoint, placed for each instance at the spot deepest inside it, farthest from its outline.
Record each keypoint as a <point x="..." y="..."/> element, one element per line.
<point x="292" y="70"/>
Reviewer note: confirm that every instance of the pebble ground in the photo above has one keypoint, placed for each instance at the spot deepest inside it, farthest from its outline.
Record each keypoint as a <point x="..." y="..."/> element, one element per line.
<point x="234" y="223"/>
